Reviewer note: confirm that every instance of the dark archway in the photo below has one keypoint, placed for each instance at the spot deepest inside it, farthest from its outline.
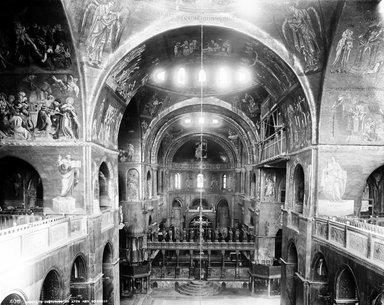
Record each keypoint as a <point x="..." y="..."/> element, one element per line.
<point x="21" y="186"/>
<point x="108" y="289"/>
<point x="79" y="291"/>
<point x="298" y="178"/>
<point x="319" y="274"/>
<point x="196" y="203"/>
<point x="104" y="178"/>
<point x="52" y="290"/>
<point x="13" y="298"/>
<point x="291" y="269"/>
<point x="346" y="288"/>
<point x="149" y="185"/>
<point x="278" y="243"/>
<point x="177" y="219"/>
<point x="222" y="214"/>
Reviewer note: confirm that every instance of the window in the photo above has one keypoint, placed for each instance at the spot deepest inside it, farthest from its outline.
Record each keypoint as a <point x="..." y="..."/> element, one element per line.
<point x="224" y="181"/>
<point x="200" y="181"/>
<point x="177" y="181"/>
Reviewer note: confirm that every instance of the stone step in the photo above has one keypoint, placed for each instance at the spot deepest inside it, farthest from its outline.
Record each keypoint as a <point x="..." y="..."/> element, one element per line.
<point x="199" y="288"/>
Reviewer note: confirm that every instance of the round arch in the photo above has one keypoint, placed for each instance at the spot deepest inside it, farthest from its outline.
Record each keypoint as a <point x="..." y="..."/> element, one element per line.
<point x="319" y="268"/>
<point x="229" y="149"/>
<point x="52" y="288"/>
<point x="79" y="268"/>
<point x="107" y="269"/>
<point x="240" y="122"/>
<point x="177" y="202"/>
<point x="21" y="184"/>
<point x="175" y="22"/>
<point x="15" y="297"/>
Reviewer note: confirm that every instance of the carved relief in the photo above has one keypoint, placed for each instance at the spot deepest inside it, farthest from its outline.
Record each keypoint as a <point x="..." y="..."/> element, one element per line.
<point x="378" y="251"/>
<point x="358" y="243"/>
<point x="337" y="235"/>
<point x="322" y="230"/>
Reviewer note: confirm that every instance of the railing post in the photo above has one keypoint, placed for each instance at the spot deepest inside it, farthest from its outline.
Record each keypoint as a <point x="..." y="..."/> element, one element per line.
<point x="369" y="246"/>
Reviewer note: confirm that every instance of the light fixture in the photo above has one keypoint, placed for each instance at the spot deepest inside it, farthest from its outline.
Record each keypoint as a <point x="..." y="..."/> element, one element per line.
<point x="187" y="121"/>
<point x="201" y="120"/>
<point x="202" y="76"/>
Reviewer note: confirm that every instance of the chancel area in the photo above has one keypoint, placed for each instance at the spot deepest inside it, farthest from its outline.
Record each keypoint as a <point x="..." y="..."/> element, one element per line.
<point x="193" y="151"/>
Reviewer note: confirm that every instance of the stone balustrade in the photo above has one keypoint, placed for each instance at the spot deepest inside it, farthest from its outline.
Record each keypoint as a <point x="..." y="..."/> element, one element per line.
<point x="26" y="241"/>
<point x="195" y="245"/>
<point x="353" y="236"/>
<point x="107" y="219"/>
<point x="10" y="220"/>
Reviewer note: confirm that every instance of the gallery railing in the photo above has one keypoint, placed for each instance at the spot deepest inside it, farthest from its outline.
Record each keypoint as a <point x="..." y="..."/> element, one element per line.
<point x="195" y="245"/>
<point x="36" y="238"/>
<point x="11" y="220"/>
<point x="352" y="236"/>
<point x="273" y="146"/>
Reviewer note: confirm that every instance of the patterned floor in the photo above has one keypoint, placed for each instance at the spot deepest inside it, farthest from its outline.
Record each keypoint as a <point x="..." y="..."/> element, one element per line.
<point x="171" y="297"/>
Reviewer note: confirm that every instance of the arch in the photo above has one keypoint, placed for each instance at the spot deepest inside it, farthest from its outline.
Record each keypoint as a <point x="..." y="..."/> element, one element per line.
<point x="319" y="268"/>
<point x="224" y="181"/>
<point x="253" y="185"/>
<point x="177" y="203"/>
<point x="177" y="181"/>
<point x="15" y="297"/>
<point x="278" y="245"/>
<point x="282" y="190"/>
<point x="236" y="24"/>
<point x="290" y="272"/>
<point x="52" y="288"/>
<point x="78" y="288"/>
<point x="372" y="198"/>
<point x="196" y="203"/>
<point x="79" y="269"/>
<point x="346" y="290"/>
<point x="104" y="186"/>
<point x="298" y="187"/>
<point x="148" y="185"/>
<point x="177" y="219"/>
<point x="222" y="214"/>
<point x="292" y="257"/>
<point x="241" y="123"/>
<point x="108" y="253"/>
<point x="22" y="186"/>
<point x="107" y="269"/>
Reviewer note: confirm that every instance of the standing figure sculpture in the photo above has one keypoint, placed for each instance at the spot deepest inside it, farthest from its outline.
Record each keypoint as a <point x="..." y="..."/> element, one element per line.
<point x="70" y="172"/>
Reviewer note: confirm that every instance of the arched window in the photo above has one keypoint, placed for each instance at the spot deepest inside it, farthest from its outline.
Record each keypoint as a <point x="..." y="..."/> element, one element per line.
<point x="177" y="181"/>
<point x="200" y="181"/>
<point x="224" y="181"/>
